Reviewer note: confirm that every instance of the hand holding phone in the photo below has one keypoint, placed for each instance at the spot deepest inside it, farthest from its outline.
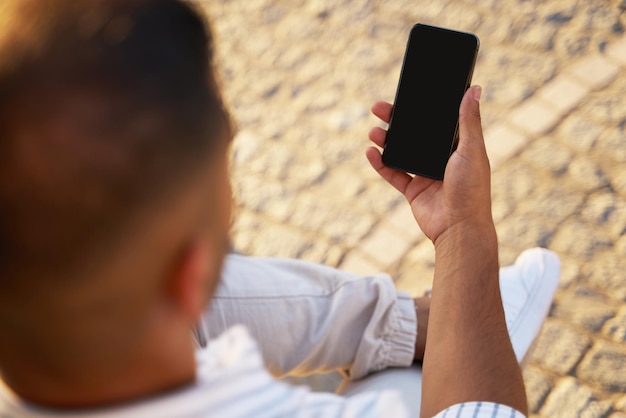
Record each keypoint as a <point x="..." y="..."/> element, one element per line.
<point x="423" y="129"/>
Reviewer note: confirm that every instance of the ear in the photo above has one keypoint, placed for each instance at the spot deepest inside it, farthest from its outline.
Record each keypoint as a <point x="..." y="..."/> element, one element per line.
<point x="189" y="285"/>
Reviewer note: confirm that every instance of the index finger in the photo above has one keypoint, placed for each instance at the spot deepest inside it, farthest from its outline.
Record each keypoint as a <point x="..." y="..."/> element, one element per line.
<point x="382" y="110"/>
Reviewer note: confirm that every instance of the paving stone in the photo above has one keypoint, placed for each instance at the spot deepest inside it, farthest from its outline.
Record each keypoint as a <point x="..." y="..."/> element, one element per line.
<point x="279" y="207"/>
<point x="579" y="132"/>
<point x="299" y="77"/>
<point x="246" y="145"/>
<point x="608" y="107"/>
<point x="570" y="271"/>
<point x="514" y="181"/>
<point x="501" y="207"/>
<point x="606" y="208"/>
<point x="415" y="274"/>
<point x="620" y="246"/>
<point x="270" y="163"/>
<point x="607" y="272"/>
<point x="620" y="403"/>
<point x="524" y="30"/>
<point x="357" y="263"/>
<point x="579" y="239"/>
<point x="384" y="245"/>
<point x="599" y="208"/>
<point x="587" y="174"/>
<point x="548" y="155"/>
<point x="594" y="70"/>
<point x="534" y="117"/>
<point x="617" y="51"/>
<point x="503" y="142"/>
<point x="245" y="223"/>
<point x="346" y="117"/>
<point x="402" y="221"/>
<point x="572" y="399"/>
<point x="508" y="254"/>
<point x="538" y="386"/>
<point x="559" y="347"/>
<point x="342" y="185"/>
<point x="510" y="75"/>
<point x="587" y="312"/>
<point x="586" y="28"/>
<point x="324" y="216"/>
<point x="303" y="174"/>
<point x="517" y="233"/>
<point x="612" y="144"/>
<point x="463" y="17"/>
<point x="563" y="93"/>
<point x="277" y="240"/>
<point x="582" y="290"/>
<point x="615" y="328"/>
<point x="618" y="182"/>
<point x="263" y="195"/>
<point x="324" y="253"/>
<point x="604" y="366"/>
<point x="379" y="198"/>
<point x="551" y="202"/>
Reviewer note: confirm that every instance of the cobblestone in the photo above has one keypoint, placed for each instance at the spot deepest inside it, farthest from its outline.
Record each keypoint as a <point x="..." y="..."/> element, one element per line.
<point x="563" y="93"/>
<point x="620" y="246"/>
<point x="578" y="132"/>
<point x="538" y="386"/>
<point x="612" y="145"/>
<point x="548" y="155"/>
<point x="503" y="142"/>
<point x="300" y="76"/>
<point x="617" y="52"/>
<point x="553" y="202"/>
<point x="607" y="272"/>
<point x="571" y="399"/>
<point x="587" y="174"/>
<point x="559" y="347"/>
<point x="595" y="71"/>
<point x="358" y="263"/>
<point x="579" y="239"/>
<point x="384" y="246"/>
<point x="616" y="327"/>
<point x="535" y="117"/>
<point x="570" y="271"/>
<point x="586" y="311"/>
<point x="415" y="274"/>
<point x="401" y="220"/>
<point x="604" y="366"/>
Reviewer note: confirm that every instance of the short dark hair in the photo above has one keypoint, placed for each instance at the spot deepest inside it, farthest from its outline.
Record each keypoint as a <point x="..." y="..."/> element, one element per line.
<point x="105" y="106"/>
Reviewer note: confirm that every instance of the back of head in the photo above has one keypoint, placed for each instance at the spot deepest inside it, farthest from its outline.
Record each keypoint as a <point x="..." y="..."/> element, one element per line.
<point x="106" y="108"/>
<point x="104" y="105"/>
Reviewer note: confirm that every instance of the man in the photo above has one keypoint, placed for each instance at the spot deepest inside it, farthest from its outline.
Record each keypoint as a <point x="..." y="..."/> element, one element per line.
<point x="114" y="213"/>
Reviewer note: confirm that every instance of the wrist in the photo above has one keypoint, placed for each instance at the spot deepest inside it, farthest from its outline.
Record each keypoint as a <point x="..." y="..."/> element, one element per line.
<point x="464" y="245"/>
<point x="481" y="233"/>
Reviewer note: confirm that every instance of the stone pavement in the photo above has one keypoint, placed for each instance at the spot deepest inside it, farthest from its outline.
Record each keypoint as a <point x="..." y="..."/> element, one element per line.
<point x="300" y="77"/>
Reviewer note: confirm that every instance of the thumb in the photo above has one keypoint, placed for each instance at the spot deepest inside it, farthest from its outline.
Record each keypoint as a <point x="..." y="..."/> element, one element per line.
<point x="470" y="129"/>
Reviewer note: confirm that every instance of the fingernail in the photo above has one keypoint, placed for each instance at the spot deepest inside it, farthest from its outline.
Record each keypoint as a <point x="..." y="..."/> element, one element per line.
<point x="478" y="91"/>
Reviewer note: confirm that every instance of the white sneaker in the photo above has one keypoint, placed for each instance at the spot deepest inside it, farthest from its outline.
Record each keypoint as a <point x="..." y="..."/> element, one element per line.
<point x="527" y="288"/>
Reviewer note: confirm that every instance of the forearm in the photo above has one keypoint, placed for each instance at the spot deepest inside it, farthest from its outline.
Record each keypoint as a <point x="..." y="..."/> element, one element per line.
<point x="468" y="353"/>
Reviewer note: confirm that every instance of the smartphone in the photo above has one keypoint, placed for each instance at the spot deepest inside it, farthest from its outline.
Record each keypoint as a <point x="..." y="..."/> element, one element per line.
<point x="436" y="73"/>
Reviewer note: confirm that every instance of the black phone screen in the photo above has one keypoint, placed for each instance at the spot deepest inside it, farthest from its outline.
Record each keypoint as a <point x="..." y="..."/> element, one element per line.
<point x="437" y="71"/>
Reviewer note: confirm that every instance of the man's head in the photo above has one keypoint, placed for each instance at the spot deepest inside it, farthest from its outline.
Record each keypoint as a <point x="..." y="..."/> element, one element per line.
<point x="114" y="198"/>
